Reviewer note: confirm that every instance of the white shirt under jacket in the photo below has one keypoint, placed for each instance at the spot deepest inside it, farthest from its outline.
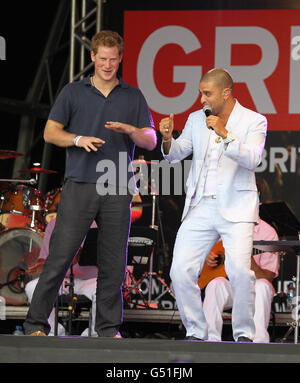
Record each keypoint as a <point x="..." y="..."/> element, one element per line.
<point x="236" y="190"/>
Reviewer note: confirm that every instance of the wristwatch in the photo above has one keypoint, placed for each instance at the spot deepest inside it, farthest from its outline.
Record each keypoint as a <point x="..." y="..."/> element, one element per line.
<point x="229" y="138"/>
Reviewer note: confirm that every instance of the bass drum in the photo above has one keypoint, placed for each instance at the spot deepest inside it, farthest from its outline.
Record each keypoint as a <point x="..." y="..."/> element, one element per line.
<point x="19" y="249"/>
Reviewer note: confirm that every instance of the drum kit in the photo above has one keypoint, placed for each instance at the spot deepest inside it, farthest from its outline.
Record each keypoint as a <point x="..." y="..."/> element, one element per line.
<point x="24" y="213"/>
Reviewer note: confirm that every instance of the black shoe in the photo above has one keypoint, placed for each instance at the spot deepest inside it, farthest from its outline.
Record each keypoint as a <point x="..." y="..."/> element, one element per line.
<point x="244" y="339"/>
<point x="192" y="337"/>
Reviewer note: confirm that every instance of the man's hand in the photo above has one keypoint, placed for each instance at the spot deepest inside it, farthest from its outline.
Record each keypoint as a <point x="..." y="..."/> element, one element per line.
<point x="217" y="124"/>
<point x="261" y="273"/>
<point x="144" y="138"/>
<point x="212" y="260"/>
<point x="166" y="127"/>
<point x="119" y="127"/>
<point x="90" y="143"/>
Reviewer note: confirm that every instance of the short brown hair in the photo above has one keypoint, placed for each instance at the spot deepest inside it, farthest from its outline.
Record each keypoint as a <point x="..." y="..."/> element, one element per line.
<point x="107" y="39"/>
<point x="220" y="77"/>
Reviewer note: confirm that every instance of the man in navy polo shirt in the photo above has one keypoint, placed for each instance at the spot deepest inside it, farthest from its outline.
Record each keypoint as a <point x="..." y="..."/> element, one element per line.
<point x="99" y="120"/>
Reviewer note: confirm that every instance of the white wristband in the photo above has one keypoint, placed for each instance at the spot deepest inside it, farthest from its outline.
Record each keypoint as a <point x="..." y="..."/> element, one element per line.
<point x="76" y="139"/>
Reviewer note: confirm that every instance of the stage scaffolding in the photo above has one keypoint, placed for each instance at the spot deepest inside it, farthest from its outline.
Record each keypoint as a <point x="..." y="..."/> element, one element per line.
<point x="65" y="58"/>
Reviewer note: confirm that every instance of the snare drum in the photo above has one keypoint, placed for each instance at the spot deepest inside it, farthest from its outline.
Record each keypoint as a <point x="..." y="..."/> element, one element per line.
<point x="19" y="198"/>
<point x="18" y="205"/>
<point x="13" y="199"/>
<point x="17" y="247"/>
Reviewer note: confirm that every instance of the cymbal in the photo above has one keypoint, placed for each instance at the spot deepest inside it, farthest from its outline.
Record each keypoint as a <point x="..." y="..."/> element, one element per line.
<point x="5" y="154"/>
<point x="38" y="170"/>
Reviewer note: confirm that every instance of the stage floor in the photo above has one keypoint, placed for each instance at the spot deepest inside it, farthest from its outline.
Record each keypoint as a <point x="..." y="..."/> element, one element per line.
<point x="151" y="336"/>
<point x="26" y="349"/>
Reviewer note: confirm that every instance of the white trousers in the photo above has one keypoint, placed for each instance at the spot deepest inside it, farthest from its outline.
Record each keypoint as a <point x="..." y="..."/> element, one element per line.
<point x="196" y="236"/>
<point x="85" y="287"/>
<point x="218" y="297"/>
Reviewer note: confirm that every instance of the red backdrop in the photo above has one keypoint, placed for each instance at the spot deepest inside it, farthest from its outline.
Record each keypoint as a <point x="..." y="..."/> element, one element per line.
<point x="167" y="51"/>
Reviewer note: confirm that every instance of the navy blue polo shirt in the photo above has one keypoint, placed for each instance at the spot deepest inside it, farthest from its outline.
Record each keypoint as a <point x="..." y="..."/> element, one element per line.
<point x="83" y="110"/>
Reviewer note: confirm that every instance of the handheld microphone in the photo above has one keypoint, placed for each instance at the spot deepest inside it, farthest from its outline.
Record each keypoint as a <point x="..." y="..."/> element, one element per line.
<point x="207" y="111"/>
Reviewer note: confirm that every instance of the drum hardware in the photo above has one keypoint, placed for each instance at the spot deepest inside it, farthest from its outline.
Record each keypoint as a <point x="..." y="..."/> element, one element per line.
<point x="51" y="204"/>
<point x="2" y="200"/>
<point x="32" y="181"/>
<point x="34" y="209"/>
<point x="158" y="233"/>
<point x="141" y="245"/>
<point x="156" y="213"/>
<point x="287" y="247"/>
<point x="24" y="201"/>
<point x="149" y="275"/>
<point x="21" y="207"/>
<point x="281" y="217"/>
<point x="281" y="297"/>
<point x="86" y="256"/>
<point x="20" y="278"/>
<point x="72" y="300"/>
<point x="37" y="170"/>
<point x="132" y="284"/>
<point x="19" y="250"/>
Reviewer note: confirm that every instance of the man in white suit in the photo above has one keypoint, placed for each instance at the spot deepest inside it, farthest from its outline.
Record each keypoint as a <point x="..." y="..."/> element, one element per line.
<point x="221" y="200"/>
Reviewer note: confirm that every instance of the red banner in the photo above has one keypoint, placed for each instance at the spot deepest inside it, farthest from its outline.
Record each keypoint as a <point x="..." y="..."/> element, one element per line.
<point x="166" y="52"/>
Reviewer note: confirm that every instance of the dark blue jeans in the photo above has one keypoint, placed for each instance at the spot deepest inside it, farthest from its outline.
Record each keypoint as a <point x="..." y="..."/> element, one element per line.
<point x="80" y="204"/>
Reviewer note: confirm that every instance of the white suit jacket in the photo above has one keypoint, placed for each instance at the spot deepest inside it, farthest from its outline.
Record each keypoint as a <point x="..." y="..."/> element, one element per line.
<point x="237" y="196"/>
